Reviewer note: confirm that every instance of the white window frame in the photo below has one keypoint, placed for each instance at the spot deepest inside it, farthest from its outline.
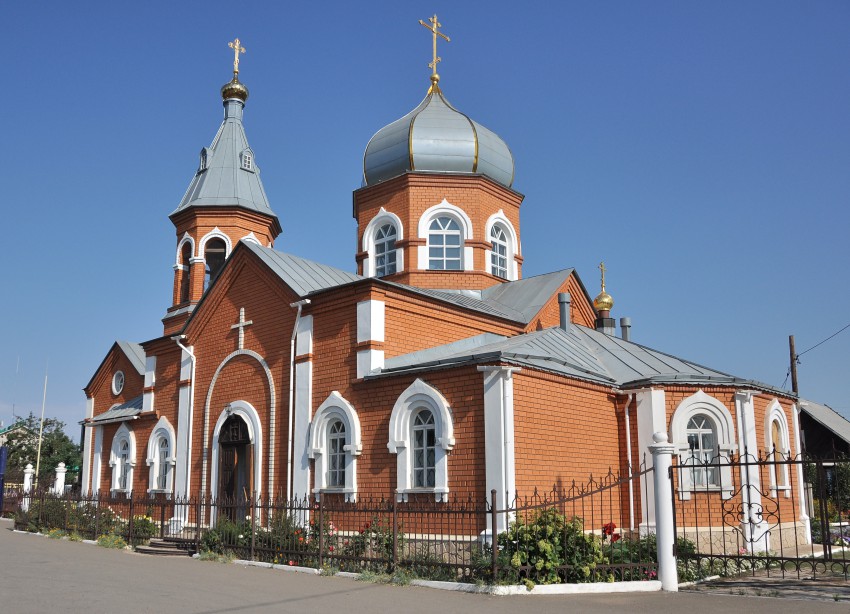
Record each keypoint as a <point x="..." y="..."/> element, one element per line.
<point x="178" y="258"/>
<point x="122" y="435"/>
<point x="162" y="430"/>
<point x="246" y="161"/>
<point x="783" y="449"/>
<point x="420" y="395"/>
<point x="368" y="242"/>
<point x="334" y="408"/>
<point x="445" y="208"/>
<point x="501" y="220"/>
<point x="719" y="414"/>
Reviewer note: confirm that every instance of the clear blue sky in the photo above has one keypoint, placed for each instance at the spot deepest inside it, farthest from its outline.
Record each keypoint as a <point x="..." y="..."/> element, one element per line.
<point x="702" y="149"/>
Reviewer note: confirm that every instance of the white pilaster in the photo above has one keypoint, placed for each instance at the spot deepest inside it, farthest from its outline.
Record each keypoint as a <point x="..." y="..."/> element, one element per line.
<point x="651" y="418"/>
<point x="59" y="482"/>
<point x="97" y="459"/>
<point x="371" y="326"/>
<point x="662" y="457"/>
<point x="801" y="484"/>
<point x="87" y="451"/>
<point x="499" y="448"/>
<point x="150" y="382"/>
<point x="183" y="452"/>
<point x="303" y="408"/>
<point x="754" y="527"/>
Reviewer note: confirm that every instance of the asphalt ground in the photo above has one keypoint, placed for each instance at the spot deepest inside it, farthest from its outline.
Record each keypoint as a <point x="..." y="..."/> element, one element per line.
<point x="38" y="574"/>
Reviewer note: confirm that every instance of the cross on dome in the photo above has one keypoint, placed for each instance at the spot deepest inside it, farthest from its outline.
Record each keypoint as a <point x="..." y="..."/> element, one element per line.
<point x="434" y="28"/>
<point x="237" y="47"/>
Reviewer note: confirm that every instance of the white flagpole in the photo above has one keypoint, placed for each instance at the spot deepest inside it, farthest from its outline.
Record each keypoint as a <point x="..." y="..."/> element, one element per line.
<point x="41" y="429"/>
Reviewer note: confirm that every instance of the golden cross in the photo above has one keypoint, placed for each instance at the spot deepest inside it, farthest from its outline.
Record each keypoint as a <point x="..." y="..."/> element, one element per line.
<point x="602" y="269"/>
<point x="236" y="45"/>
<point x="433" y="27"/>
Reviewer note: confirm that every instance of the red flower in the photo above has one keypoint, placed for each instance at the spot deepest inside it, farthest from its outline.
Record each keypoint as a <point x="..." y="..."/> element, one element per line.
<point x="615" y="537"/>
<point x="608" y="529"/>
<point x="330" y="548"/>
<point x="292" y="562"/>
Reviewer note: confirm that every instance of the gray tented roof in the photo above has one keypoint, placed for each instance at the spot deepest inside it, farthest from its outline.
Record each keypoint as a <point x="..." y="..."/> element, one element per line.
<point x="436" y="137"/>
<point x="224" y="182"/>
<point x="578" y="352"/>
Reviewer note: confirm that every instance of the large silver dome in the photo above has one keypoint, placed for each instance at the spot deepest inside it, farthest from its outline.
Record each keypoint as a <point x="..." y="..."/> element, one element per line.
<point x="437" y="137"/>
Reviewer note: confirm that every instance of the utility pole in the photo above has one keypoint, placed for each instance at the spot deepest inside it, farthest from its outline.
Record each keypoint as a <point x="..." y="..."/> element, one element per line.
<point x="794" y="386"/>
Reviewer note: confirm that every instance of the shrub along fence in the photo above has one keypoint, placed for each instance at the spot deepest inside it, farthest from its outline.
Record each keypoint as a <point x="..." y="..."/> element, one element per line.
<point x="580" y="533"/>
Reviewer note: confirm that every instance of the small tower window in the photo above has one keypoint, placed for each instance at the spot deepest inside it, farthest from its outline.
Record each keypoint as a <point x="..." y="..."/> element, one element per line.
<point x="499" y="255"/>
<point x="247" y="161"/>
<point x="444" y="245"/>
<point x="385" y="256"/>
<point x="214" y="255"/>
<point x="202" y="165"/>
<point x="185" y="272"/>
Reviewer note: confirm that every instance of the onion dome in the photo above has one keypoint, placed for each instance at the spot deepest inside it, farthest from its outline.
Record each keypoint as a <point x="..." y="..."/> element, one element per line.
<point x="603" y="302"/>
<point x="234" y="89"/>
<point x="436" y="137"/>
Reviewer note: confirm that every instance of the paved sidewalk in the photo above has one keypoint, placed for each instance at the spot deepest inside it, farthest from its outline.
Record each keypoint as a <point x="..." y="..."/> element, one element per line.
<point x="43" y="575"/>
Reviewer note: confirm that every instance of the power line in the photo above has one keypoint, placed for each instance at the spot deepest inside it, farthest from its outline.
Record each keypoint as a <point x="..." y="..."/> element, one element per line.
<point x="824" y="341"/>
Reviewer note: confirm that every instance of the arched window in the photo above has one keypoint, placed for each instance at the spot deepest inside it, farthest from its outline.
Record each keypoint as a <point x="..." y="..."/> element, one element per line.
<point x="385" y="254"/>
<point x="334" y="447"/>
<point x="702" y="444"/>
<point x="248" y="160"/>
<point x="424" y="450"/>
<point x="161" y="458"/>
<point x="778" y="450"/>
<point x="499" y="254"/>
<point x="336" y="455"/>
<point x="123" y="459"/>
<point x="445" y="248"/>
<point x="421" y="435"/>
<point x="703" y="430"/>
<point x="215" y="252"/>
<point x="185" y="271"/>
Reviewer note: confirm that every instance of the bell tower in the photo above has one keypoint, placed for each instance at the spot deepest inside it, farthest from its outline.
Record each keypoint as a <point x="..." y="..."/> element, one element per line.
<point x="224" y="204"/>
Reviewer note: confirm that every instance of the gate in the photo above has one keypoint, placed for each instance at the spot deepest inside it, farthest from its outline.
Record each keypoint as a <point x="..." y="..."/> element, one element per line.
<point x="767" y="516"/>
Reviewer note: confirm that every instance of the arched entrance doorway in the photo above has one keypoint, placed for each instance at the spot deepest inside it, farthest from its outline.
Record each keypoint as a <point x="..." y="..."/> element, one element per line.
<point x="235" y="467"/>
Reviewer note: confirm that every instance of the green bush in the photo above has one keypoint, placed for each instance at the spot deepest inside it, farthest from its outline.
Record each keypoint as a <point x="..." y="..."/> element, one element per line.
<point x="548" y="549"/>
<point x="111" y="541"/>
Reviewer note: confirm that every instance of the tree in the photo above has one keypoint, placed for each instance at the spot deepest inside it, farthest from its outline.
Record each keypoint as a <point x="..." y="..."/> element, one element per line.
<point x="56" y="447"/>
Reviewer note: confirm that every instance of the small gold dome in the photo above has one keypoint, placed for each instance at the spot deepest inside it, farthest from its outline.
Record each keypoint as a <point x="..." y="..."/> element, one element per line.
<point x="234" y="89"/>
<point x="603" y="302"/>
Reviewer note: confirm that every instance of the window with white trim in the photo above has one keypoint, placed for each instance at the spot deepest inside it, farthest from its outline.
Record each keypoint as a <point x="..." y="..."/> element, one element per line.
<point x="162" y="464"/>
<point x="385" y="252"/>
<point x="185" y="271"/>
<point x="160" y="457"/>
<point x="336" y="455"/>
<point x="424" y="450"/>
<point x="215" y="253"/>
<point x="334" y="446"/>
<point x="703" y="430"/>
<point x="778" y="450"/>
<point x="248" y="161"/>
<point x="499" y="253"/>
<point x="703" y="453"/>
<point x="122" y="459"/>
<point x="445" y="245"/>
<point x="421" y="435"/>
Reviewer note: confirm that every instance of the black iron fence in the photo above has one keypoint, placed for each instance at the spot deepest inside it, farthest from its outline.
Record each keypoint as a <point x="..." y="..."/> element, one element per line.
<point x="577" y="533"/>
<point x="762" y="515"/>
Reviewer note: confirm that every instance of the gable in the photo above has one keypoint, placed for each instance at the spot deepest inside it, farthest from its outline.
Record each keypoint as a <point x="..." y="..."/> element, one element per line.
<point x="123" y="355"/>
<point x="581" y="306"/>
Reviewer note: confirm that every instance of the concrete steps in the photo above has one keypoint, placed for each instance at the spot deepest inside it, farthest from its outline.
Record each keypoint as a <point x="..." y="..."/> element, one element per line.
<point x="162" y="547"/>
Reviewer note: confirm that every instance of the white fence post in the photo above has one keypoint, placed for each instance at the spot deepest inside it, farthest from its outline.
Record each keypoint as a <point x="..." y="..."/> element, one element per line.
<point x="662" y="459"/>
<point x="59" y="484"/>
<point x="28" y="472"/>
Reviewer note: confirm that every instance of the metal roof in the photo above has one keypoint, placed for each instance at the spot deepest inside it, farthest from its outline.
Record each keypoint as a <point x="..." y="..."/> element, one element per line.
<point x="578" y="352"/>
<point x="436" y="137"/>
<point x="302" y="275"/>
<point x="134" y="353"/>
<point x="125" y="411"/>
<point x="223" y="180"/>
<point x="828" y="418"/>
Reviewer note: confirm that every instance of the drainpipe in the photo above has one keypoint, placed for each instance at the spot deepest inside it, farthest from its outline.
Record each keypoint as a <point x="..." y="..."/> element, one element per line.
<point x="629" y="455"/>
<point x="178" y="340"/>
<point x="299" y="304"/>
<point x="564" y="310"/>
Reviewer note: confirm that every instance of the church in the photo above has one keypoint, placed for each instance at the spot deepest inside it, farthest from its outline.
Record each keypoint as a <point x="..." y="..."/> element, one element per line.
<point x="432" y="369"/>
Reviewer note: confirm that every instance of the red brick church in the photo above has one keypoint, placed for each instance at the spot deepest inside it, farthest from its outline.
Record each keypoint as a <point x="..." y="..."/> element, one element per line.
<point x="436" y="369"/>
